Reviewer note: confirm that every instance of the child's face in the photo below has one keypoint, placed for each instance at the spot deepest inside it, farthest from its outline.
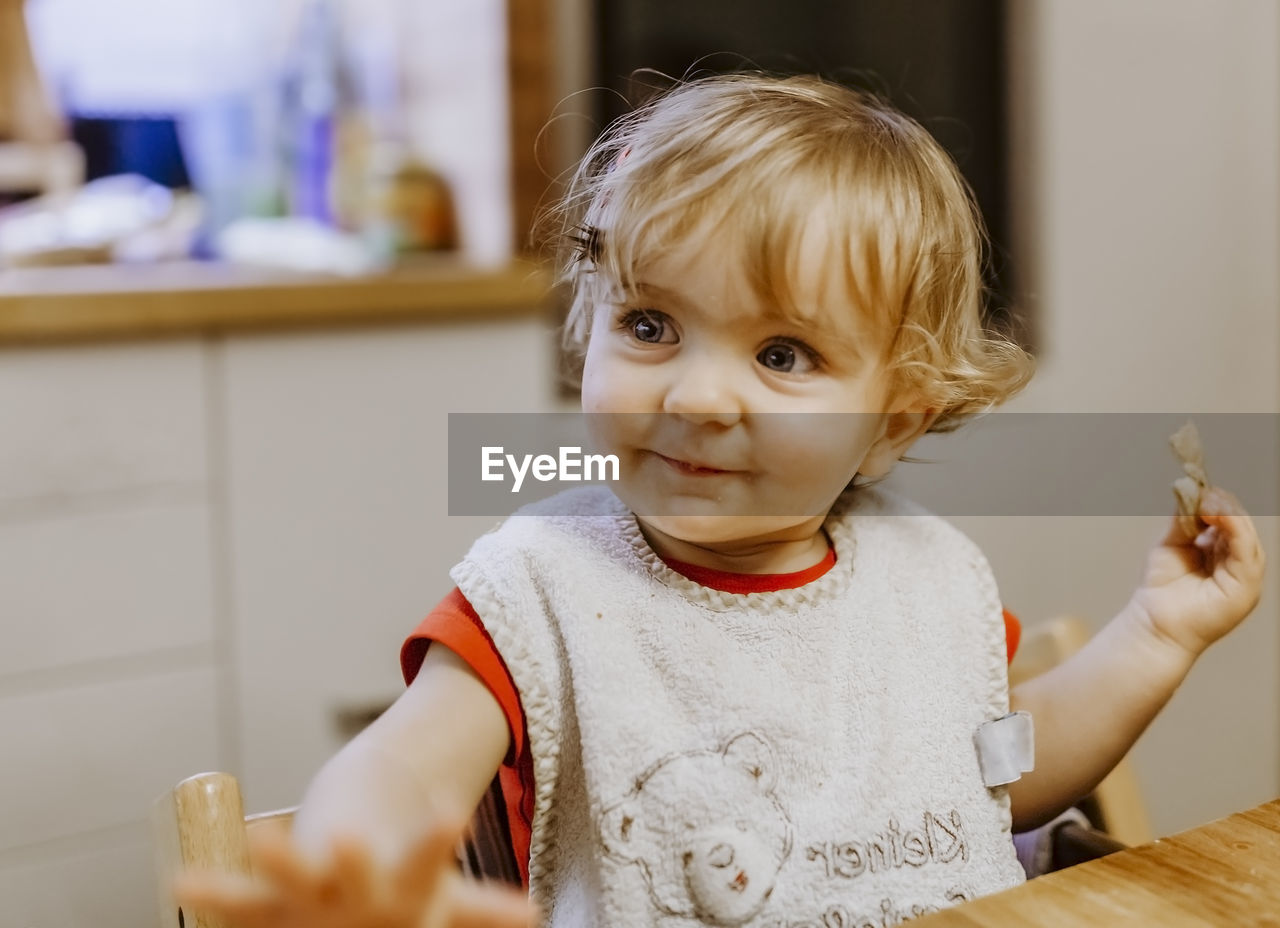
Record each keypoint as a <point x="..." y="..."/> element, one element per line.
<point x="736" y="427"/>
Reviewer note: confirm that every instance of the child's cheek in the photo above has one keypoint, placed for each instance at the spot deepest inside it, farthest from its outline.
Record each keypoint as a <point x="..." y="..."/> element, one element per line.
<point x="611" y="385"/>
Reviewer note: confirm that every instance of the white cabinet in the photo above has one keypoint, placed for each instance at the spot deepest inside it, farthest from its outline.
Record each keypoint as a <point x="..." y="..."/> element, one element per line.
<point x="109" y="673"/>
<point x="208" y="546"/>
<point x="337" y="504"/>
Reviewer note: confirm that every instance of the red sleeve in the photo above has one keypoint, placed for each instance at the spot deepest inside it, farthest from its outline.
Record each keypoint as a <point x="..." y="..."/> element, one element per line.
<point x="1012" y="633"/>
<point x="455" y="625"/>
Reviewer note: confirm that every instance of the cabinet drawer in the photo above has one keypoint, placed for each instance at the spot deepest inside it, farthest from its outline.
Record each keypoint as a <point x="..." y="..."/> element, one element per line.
<point x="91" y="585"/>
<point x="96" y="756"/>
<point x="88" y="419"/>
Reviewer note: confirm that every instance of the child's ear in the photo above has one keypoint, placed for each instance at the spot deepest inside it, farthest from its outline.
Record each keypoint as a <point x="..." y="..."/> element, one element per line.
<point x="900" y="431"/>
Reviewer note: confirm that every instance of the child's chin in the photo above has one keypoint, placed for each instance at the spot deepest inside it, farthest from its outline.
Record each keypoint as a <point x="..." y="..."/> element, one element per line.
<point x="712" y="529"/>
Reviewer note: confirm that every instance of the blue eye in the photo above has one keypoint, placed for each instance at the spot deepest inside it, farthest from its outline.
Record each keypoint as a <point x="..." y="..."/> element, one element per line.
<point x="650" y="327"/>
<point x="647" y="329"/>
<point x="778" y="357"/>
<point x="787" y="357"/>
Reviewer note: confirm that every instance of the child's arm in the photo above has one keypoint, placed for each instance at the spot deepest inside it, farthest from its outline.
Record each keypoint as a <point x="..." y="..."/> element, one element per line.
<point x="1090" y="710"/>
<point x="372" y="844"/>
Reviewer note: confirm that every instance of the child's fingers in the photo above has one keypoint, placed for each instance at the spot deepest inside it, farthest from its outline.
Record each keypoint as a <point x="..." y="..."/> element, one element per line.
<point x="352" y="873"/>
<point x="1219" y="502"/>
<point x="1221" y="510"/>
<point x="1231" y="537"/>
<point x="277" y="860"/>
<point x="1209" y="540"/>
<point x="1176" y="536"/>
<point x="227" y="897"/>
<point x="489" y="905"/>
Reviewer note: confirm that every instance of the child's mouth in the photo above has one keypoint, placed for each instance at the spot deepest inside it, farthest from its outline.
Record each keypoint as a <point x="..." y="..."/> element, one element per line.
<point x="696" y="470"/>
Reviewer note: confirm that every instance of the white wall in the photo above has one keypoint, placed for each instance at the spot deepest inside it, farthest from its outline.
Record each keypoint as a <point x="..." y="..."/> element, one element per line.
<point x="1148" y="163"/>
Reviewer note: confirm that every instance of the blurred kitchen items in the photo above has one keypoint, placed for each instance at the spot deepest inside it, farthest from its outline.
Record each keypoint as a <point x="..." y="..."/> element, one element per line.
<point x="409" y="206"/>
<point x="347" y="163"/>
<point x="131" y="143"/>
<point x="124" y="218"/>
<point x="316" y="89"/>
<point x="228" y="145"/>
<point x="295" y="243"/>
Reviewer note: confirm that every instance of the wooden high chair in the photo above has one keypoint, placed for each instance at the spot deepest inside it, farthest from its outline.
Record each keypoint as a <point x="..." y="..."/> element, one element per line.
<point x="200" y="824"/>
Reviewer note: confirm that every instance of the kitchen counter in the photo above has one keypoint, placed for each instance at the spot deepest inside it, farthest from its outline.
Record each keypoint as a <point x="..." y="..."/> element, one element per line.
<point x="126" y="301"/>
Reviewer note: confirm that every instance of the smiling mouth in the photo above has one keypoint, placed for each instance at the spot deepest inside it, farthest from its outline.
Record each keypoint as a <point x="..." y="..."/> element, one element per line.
<point x="695" y="470"/>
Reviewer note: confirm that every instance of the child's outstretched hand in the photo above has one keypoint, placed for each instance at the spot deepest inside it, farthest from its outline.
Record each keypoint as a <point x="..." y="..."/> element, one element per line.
<point x="1195" y="590"/>
<point x="354" y="891"/>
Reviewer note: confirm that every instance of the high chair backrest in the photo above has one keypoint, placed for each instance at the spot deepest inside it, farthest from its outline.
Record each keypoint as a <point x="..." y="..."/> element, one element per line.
<point x="1116" y="803"/>
<point x="200" y="824"/>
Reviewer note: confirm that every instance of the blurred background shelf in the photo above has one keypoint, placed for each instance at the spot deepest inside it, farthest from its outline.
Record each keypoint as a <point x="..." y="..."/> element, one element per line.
<point x="114" y="301"/>
<point x="40" y="167"/>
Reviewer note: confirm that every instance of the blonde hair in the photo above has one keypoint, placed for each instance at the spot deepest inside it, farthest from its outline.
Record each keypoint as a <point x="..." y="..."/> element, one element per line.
<point x="755" y="157"/>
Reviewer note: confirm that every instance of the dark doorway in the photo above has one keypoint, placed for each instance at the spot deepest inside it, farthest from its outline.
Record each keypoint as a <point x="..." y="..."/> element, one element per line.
<point x="941" y="61"/>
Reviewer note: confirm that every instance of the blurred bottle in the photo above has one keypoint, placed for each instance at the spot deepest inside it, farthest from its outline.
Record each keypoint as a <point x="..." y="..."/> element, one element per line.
<point x="345" y="117"/>
<point x="410" y="206"/>
<point x="406" y="206"/>
<point x="316" y="91"/>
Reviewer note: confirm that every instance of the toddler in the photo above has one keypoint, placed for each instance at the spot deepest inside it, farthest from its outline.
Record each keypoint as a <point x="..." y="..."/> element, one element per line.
<point x="742" y="686"/>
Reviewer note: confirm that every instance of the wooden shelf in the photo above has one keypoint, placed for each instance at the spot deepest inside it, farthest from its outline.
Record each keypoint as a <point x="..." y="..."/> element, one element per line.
<point x="117" y="301"/>
<point x="28" y="167"/>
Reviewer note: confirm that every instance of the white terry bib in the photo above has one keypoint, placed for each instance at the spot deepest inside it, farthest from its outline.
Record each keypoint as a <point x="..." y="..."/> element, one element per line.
<point x="794" y="758"/>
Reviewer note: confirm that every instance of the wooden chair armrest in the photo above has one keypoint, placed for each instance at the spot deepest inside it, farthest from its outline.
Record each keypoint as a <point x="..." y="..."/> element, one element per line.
<point x="1074" y="844"/>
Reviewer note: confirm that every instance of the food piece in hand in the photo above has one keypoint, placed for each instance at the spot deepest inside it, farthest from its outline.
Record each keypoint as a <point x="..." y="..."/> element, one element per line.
<point x="1188" y="490"/>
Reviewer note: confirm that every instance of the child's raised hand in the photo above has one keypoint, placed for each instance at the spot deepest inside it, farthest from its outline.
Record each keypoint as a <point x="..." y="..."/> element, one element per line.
<point x="1195" y="590"/>
<point x="353" y="890"/>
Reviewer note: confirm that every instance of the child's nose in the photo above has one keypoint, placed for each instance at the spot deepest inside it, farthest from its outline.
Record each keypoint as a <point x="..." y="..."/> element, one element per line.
<point x="703" y="391"/>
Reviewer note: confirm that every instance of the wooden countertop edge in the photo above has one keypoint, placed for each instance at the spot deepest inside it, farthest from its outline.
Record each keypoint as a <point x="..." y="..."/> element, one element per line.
<point x="105" y="302"/>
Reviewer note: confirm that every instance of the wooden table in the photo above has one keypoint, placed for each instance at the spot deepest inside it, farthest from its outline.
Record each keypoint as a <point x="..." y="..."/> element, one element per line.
<point x="1226" y="873"/>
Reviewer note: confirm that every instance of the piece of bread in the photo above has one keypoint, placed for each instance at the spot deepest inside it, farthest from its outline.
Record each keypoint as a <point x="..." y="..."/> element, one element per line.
<point x="1188" y="489"/>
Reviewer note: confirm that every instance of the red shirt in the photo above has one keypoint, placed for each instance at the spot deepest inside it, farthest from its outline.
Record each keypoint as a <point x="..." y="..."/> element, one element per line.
<point x="455" y="625"/>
